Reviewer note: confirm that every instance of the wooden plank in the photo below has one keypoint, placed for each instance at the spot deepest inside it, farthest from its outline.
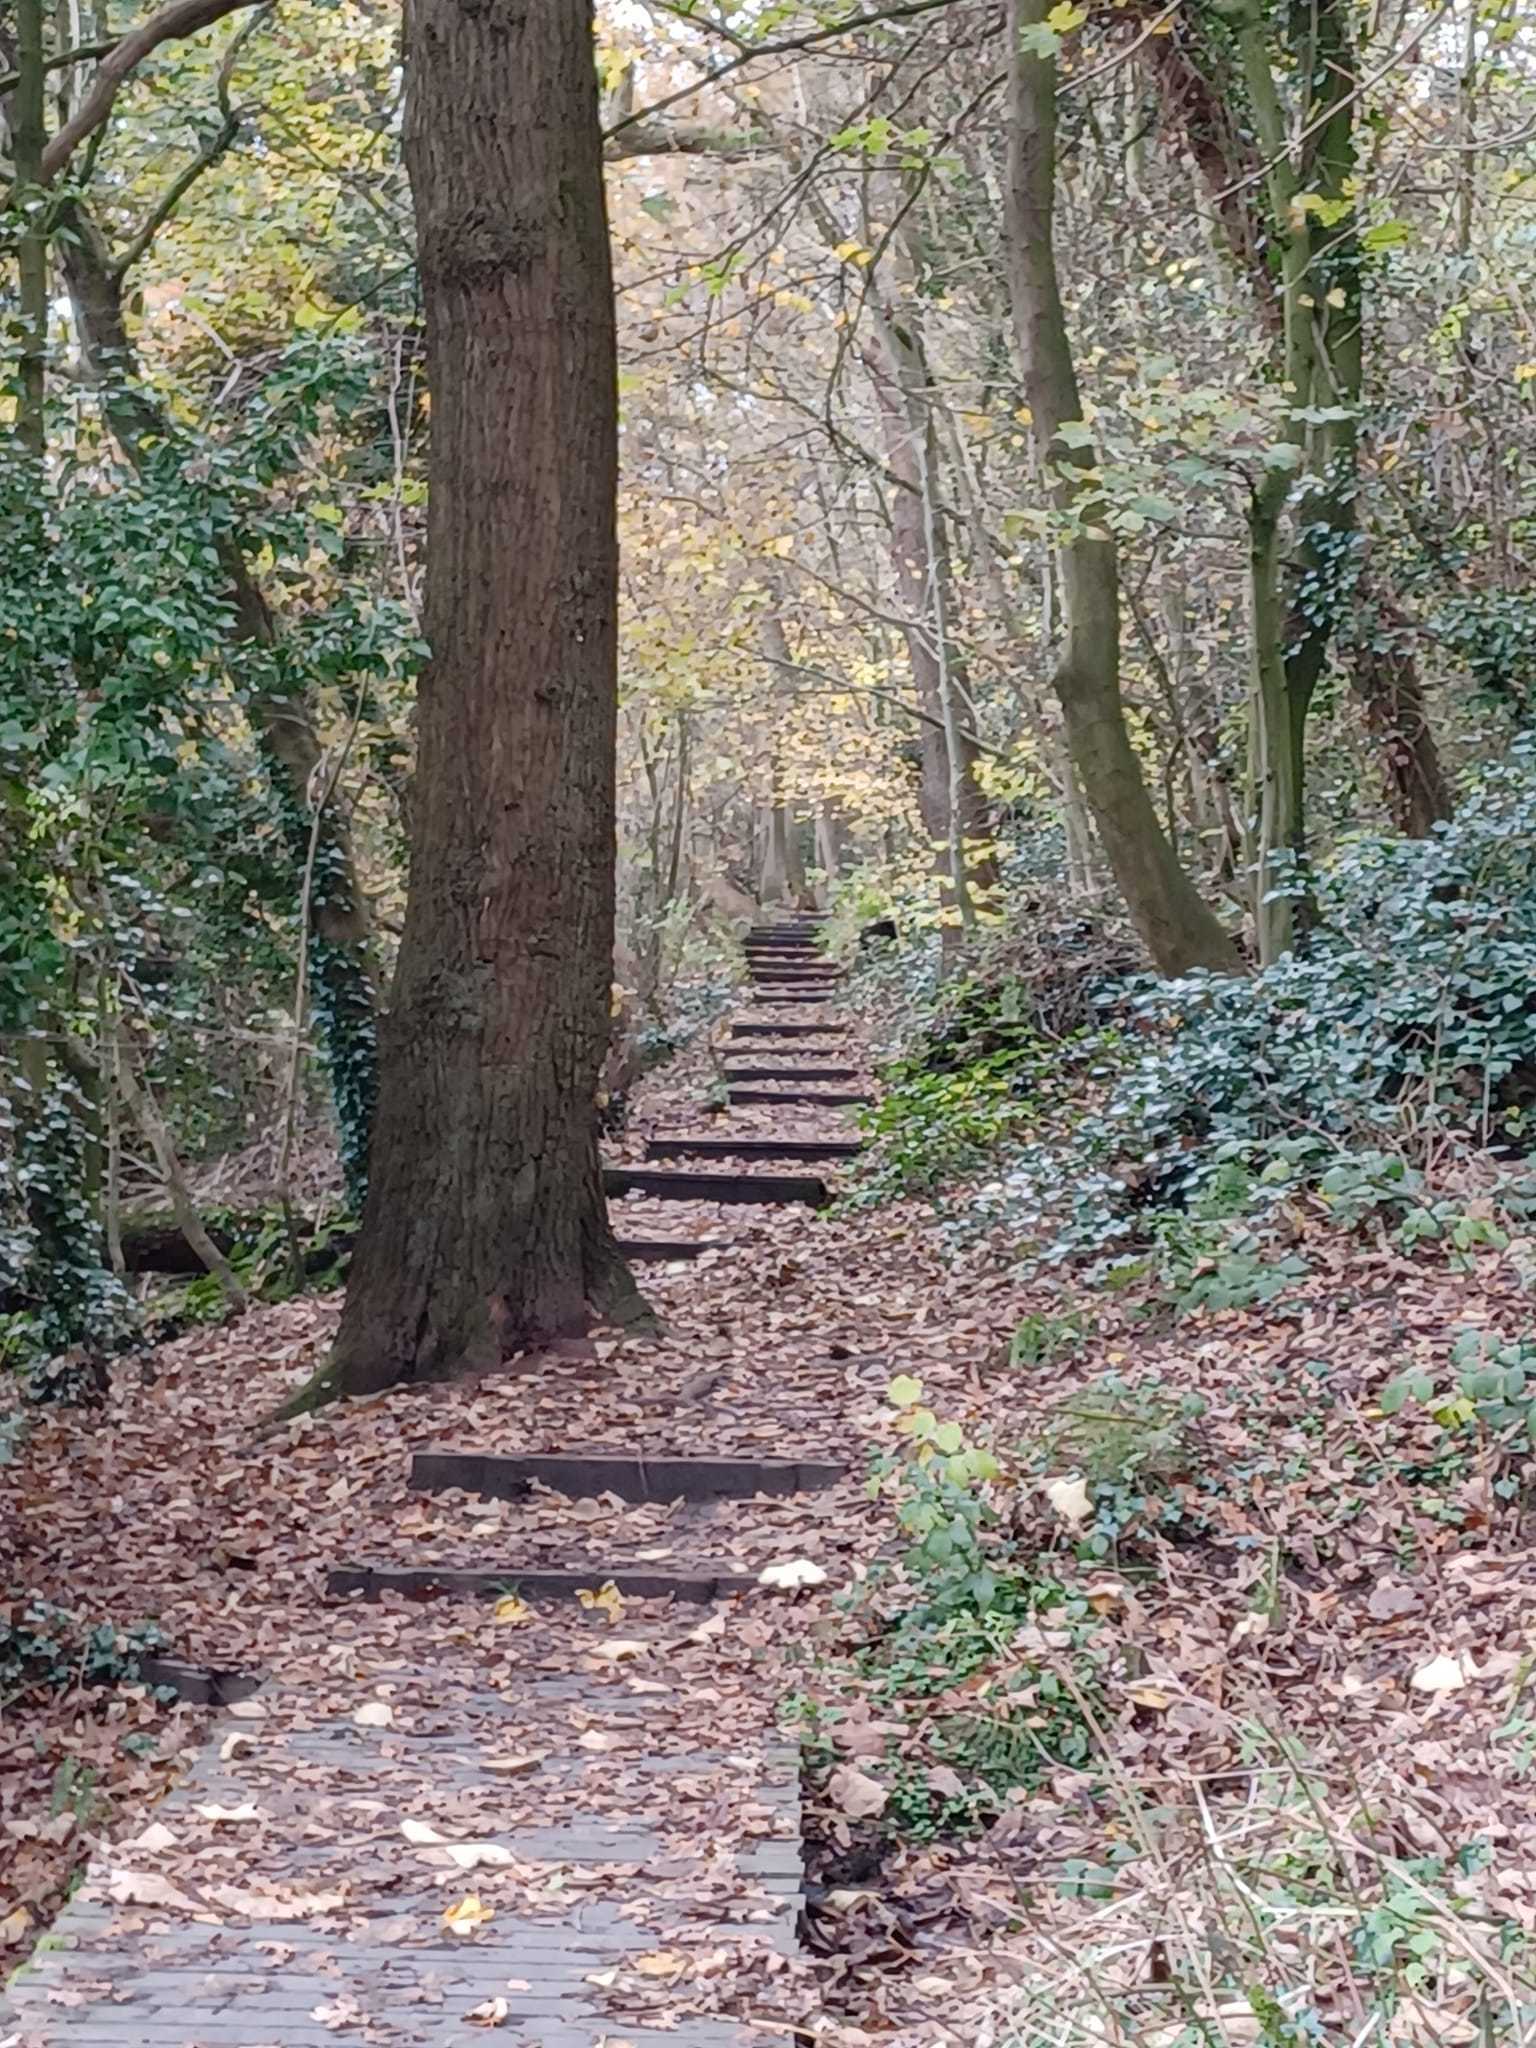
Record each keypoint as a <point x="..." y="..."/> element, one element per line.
<point x="688" y="1147"/>
<point x="371" y="1582"/>
<point x="747" y="1098"/>
<point x="785" y="1030"/>
<point x="760" y="996"/>
<point x="734" y="1074"/>
<point x="668" y="1185"/>
<point x="582" y="1476"/>
<point x="200" y="1685"/>
<point x="654" y="1251"/>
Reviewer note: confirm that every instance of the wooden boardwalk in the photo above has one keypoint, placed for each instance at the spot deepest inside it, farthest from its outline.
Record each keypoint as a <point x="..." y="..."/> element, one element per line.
<point x="432" y="1825"/>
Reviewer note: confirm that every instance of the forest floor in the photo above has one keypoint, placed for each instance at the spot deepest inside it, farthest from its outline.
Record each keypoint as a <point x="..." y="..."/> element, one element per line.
<point x="1307" y="1653"/>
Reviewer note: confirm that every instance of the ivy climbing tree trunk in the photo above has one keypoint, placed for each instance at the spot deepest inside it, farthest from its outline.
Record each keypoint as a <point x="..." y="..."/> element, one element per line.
<point x="343" y="978"/>
<point x="1177" y="927"/>
<point x="485" y="1228"/>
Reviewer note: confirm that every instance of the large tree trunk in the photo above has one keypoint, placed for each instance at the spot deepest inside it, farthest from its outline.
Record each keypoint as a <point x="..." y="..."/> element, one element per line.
<point x="1176" y="926"/>
<point x="485" y="1228"/>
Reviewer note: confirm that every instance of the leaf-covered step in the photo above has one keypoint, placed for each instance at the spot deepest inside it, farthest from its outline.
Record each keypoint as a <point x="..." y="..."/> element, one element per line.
<point x="787" y="1029"/>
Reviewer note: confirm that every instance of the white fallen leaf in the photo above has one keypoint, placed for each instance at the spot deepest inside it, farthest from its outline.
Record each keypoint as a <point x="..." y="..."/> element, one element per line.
<point x="708" y="1630"/>
<point x="419" y="1832"/>
<point x="154" y="1840"/>
<point x="1440" y="1674"/>
<point x="493" y="2013"/>
<point x="599" y="1739"/>
<point x="856" y="1793"/>
<point x="791" y="1577"/>
<point x="510" y="1766"/>
<point x="246" y="1710"/>
<point x="142" y="1888"/>
<point x="245" y="1811"/>
<point x="477" y="1855"/>
<point x="375" y="1714"/>
<point x="1069" y="1498"/>
<point x="621" y="1651"/>
<point x="235" y="1745"/>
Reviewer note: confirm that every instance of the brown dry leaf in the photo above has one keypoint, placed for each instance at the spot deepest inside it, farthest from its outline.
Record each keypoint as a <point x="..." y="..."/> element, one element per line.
<point x="513" y="1766"/>
<point x="142" y="1888"/>
<point x="855" y="1793"/>
<point x="1392" y="1597"/>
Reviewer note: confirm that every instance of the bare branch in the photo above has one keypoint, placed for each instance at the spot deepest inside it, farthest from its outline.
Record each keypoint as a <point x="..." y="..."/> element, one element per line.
<point x="181" y="18"/>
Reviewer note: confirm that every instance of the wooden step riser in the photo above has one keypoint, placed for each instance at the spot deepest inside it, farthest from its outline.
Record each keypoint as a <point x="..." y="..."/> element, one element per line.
<point x="641" y="1481"/>
<point x="789" y="1074"/>
<point x="753" y="1148"/>
<point x="766" y="1098"/>
<point x="772" y="1190"/>
<point x="656" y="1251"/>
<point x="373" y="1582"/>
<point x="782" y="1030"/>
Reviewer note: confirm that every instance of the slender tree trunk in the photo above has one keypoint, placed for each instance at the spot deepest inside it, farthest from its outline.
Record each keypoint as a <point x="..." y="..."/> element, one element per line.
<point x="953" y="807"/>
<point x="1385" y="678"/>
<point x="1177" y="927"/>
<point x="485" y="1228"/>
<point x="27" y="140"/>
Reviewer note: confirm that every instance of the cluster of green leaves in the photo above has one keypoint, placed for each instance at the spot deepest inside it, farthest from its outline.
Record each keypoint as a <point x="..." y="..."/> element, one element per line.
<point x="1139" y="1455"/>
<point x="1408" y="1024"/>
<point x="44" y="1648"/>
<point x="1493" y="1387"/>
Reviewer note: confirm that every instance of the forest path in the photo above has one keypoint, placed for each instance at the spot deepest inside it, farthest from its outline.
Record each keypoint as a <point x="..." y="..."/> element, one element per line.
<point x="565" y="1826"/>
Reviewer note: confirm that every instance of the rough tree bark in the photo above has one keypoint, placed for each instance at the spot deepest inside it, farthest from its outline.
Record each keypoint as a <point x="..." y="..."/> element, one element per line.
<point x="485" y="1228"/>
<point x="1177" y="927"/>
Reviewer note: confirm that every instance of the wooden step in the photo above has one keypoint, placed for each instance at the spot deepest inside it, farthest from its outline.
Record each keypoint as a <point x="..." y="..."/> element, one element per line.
<point x="689" y="1147"/>
<point x="734" y="1074"/>
<point x="533" y="1582"/>
<point x="746" y="1098"/>
<point x="771" y="1189"/>
<point x="790" y="995"/>
<point x="818" y="975"/>
<point x="785" y="1030"/>
<point x="586" y="1476"/>
<point x="653" y="1251"/>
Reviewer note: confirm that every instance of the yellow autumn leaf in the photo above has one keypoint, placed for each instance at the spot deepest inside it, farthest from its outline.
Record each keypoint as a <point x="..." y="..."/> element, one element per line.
<point x="662" y="1962"/>
<point x="606" y="1600"/>
<point x="470" y="1912"/>
<point x="512" y="1609"/>
<point x="1524" y="372"/>
<point x="1064" y="17"/>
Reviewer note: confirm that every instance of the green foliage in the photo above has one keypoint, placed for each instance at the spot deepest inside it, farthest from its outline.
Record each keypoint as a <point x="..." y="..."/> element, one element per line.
<point x="1042" y="1339"/>
<point x="1493" y="1386"/>
<point x="938" y="1480"/>
<point x="1409" y="1026"/>
<point x="1138" y="1454"/>
<point x="44" y="1648"/>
